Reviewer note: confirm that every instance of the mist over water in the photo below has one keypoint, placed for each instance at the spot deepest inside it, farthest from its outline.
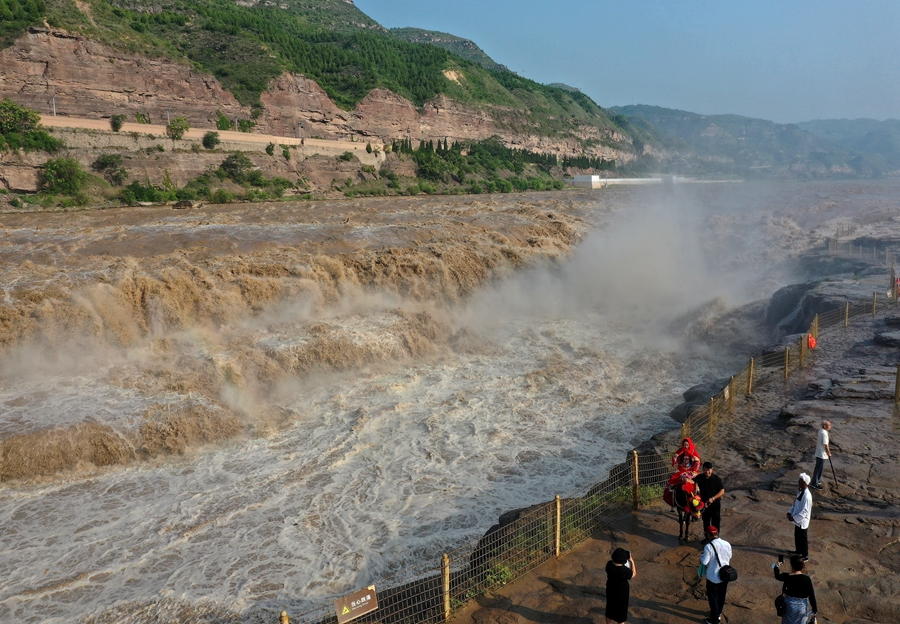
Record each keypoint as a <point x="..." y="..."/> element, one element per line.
<point x="376" y="430"/>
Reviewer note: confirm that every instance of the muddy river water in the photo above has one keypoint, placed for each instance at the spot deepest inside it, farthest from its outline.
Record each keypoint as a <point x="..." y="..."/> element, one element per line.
<point x="219" y="413"/>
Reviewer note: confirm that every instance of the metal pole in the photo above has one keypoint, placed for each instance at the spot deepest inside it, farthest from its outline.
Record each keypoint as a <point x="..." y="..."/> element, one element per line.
<point x="558" y="526"/>
<point x="54" y="106"/>
<point x="445" y="576"/>
<point x="636" y="487"/>
<point x="750" y="377"/>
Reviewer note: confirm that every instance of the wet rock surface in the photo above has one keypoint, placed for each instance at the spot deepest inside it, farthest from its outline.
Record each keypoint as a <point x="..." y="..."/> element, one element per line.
<point x="855" y="530"/>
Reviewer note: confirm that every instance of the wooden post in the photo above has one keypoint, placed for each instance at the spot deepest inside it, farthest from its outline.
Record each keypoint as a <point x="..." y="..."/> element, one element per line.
<point x="874" y="300"/>
<point x="636" y="486"/>
<point x="558" y="526"/>
<point x="897" y="387"/>
<point x="445" y="577"/>
<point x="731" y="395"/>
<point x="787" y="362"/>
<point x="750" y="377"/>
<point x="710" y="425"/>
<point x="846" y="316"/>
<point x="684" y="428"/>
<point x="804" y="339"/>
<point x="815" y="332"/>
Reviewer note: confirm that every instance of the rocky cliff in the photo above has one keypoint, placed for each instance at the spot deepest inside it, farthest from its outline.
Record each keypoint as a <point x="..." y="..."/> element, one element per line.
<point x="92" y="80"/>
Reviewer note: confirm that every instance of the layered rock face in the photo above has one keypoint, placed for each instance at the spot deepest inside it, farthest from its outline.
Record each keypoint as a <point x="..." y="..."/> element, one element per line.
<point x="91" y="80"/>
<point x="94" y="81"/>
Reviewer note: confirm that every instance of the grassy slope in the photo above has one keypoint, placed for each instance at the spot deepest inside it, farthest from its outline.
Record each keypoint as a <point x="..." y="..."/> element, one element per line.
<point x="331" y="41"/>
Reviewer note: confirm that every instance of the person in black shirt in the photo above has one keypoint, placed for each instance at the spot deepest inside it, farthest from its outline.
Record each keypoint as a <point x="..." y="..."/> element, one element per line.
<point x="799" y="595"/>
<point x="711" y="491"/>
<point x="618" y="572"/>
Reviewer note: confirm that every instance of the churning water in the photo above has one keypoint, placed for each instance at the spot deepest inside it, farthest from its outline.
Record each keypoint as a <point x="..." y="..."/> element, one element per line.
<point x="295" y="445"/>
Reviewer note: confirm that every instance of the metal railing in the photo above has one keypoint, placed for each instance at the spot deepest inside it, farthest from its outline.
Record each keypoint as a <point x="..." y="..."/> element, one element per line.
<point x="433" y="593"/>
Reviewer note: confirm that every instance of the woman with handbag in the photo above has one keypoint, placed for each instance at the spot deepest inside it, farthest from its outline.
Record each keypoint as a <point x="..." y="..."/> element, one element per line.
<point x="799" y="594"/>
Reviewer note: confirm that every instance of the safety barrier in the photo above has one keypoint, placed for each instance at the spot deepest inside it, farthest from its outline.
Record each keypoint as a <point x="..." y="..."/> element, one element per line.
<point x="432" y="594"/>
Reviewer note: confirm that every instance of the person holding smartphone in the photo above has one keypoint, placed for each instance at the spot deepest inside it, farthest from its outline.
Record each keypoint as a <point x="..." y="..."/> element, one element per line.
<point x="798" y="591"/>
<point x="619" y="571"/>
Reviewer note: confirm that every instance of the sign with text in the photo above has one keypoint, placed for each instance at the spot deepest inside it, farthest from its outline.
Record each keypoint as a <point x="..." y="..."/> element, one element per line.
<point x="356" y="604"/>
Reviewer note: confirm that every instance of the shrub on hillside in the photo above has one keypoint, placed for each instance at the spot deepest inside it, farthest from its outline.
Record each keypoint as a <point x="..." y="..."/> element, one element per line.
<point x="177" y="127"/>
<point x="116" y="122"/>
<point x="15" y="118"/>
<point x="211" y="140"/>
<point x="110" y="166"/>
<point x="62" y="175"/>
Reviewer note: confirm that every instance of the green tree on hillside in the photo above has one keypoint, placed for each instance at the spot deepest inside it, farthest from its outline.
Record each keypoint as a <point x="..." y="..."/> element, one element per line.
<point x="177" y="127"/>
<point x="62" y="175"/>
<point x="15" y="118"/>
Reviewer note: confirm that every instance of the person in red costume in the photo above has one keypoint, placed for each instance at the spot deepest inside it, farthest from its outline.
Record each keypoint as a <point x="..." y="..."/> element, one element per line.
<point x="687" y="460"/>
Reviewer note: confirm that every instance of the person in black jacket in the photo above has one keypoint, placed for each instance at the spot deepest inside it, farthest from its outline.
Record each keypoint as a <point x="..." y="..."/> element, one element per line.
<point x="799" y="594"/>
<point x="619" y="571"/>
<point x="711" y="491"/>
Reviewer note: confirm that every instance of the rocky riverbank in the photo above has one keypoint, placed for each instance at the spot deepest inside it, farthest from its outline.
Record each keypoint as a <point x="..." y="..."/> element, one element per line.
<point x="855" y="530"/>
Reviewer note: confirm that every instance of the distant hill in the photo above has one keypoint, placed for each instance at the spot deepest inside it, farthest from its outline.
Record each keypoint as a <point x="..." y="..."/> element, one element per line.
<point x="564" y="87"/>
<point x="465" y="48"/>
<point x="749" y="147"/>
<point x="877" y="139"/>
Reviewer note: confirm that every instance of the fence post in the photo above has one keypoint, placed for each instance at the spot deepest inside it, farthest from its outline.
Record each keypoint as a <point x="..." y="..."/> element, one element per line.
<point x="787" y="361"/>
<point x="284" y="619"/>
<point x="710" y="425"/>
<point x="636" y="484"/>
<point x="846" y="316"/>
<point x="897" y="387"/>
<point x="445" y="581"/>
<point x="750" y="377"/>
<point x="684" y="428"/>
<point x="874" y="299"/>
<point x="731" y="395"/>
<point x="816" y="326"/>
<point x="558" y="526"/>
<point x="804" y="338"/>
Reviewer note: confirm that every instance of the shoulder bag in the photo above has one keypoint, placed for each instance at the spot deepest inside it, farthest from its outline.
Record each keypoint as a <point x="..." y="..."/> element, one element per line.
<point x="727" y="574"/>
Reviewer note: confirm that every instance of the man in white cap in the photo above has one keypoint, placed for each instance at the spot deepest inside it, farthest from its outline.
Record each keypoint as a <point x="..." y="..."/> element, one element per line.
<point x="800" y="513"/>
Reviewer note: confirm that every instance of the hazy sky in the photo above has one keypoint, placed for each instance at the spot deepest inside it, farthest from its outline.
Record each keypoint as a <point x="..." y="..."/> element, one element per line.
<point x="788" y="61"/>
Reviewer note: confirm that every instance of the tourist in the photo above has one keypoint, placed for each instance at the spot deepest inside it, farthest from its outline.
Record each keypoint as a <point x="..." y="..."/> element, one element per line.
<point x="799" y="514"/>
<point x="712" y="489"/>
<point x="716" y="554"/>
<point x="619" y="571"/>
<point x="799" y="594"/>
<point x="823" y="452"/>
<point x="687" y="460"/>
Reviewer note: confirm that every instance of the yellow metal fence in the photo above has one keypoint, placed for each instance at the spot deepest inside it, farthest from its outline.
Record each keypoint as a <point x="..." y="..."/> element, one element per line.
<point x="431" y="593"/>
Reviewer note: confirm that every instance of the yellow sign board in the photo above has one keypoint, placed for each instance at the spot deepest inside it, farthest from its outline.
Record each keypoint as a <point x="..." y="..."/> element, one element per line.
<point x="356" y="604"/>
